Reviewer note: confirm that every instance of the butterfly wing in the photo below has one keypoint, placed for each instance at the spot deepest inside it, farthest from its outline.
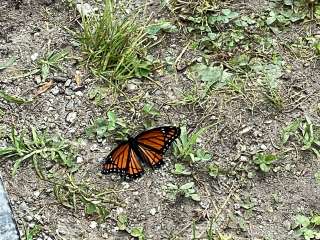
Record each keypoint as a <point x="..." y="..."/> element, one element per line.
<point x="152" y="144"/>
<point x="123" y="160"/>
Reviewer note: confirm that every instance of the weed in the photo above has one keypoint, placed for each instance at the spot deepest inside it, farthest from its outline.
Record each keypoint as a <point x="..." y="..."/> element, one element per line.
<point x="264" y="161"/>
<point x="180" y="169"/>
<point x="317" y="177"/>
<point x="32" y="233"/>
<point x="161" y="25"/>
<point x="214" y="77"/>
<point x="307" y="227"/>
<point x="306" y="132"/>
<point x="138" y="232"/>
<point x="213" y="170"/>
<point x="37" y="148"/>
<point x="12" y="99"/>
<point x="113" y="47"/>
<point x="191" y="6"/>
<point x="51" y="62"/>
<point x="185" y="145"/>
<point x="10" y="62"/>
<point x="81" y="195"/>
<point x="103" y="128"/>
<point x="122" y="221"/>
<point x="187" y="190"/>
<point x="149" y="114"/>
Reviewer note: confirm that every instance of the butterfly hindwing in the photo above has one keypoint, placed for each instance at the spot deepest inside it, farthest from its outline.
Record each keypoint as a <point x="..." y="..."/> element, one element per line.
<point x="122" y="160"/>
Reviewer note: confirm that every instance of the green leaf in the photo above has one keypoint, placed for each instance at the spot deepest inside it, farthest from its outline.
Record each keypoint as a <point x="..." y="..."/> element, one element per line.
<point x="187" y="186"/>
<point x="90" y="208"/>
<point x="315" y="220"/>
<point x="180" y="169"/>
<point x="12" y="99"/>
<point x="290" y="130"/>
<point x="137" y="232"/>
<point x="301" y="220"/>
<point x="162" y="25"/>
<point x="8" y="63"/>
<point x="195" y="197"/>
<point x="122" y="221"/>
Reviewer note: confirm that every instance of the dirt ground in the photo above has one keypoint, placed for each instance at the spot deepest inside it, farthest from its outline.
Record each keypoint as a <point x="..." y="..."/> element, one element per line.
<point x="242" y="202"/>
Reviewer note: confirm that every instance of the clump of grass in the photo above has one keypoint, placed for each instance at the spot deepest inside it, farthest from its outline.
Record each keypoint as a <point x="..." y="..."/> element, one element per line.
<point x="113" y="47"/>
<point x="191" y="6"/>
<point x="80" y="195"/>
<point x="37" y="149"/>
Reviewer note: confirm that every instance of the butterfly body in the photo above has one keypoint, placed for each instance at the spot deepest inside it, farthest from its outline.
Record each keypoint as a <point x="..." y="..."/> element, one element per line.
<point x="147" y="147"/>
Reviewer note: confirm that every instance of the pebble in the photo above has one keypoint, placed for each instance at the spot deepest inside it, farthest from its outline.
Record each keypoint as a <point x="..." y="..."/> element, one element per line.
<point x="67" y="83"/>
<point x="55" y="91"/>
<point x="263" y="147"/>
<point x="153" y="211"/>
<point x="36" y="193"/>
<point x="23" y="206"/>
<point x="37" y="79"/>
<point x="131" y="87"/>
<point x="79" y="159"/>
<point x="93" y="225"/>
<point x="71" y="117"/>
<point x="34" y="56"/>
<point x="28" y="218"/>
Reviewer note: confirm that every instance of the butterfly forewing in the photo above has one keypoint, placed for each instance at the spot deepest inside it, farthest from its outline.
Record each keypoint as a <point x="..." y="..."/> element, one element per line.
<point x="148" y="146"/>
<point x="158" y="139"/>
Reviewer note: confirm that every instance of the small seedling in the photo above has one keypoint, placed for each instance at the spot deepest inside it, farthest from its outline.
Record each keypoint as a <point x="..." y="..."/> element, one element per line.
<point x="307" y="227"/>
<point x="81" y="195"/>
<point x="51" y="62"/>
<point x="180" y="169"/>
<point x="122" y="221"/>
<point x="160" y="26"/>
<point x="32" y="233"/>
<point x="264" y="161"/>
<point x="138" y="232"/>
<point x="187" y="190"/>
<point x="102" y="128"/>
<point x="37" y="148"/>
<point x="186" y="144"/>
<point x="213" y="170"/>
<point x="149" y="114"/>
<point x="306" y="132"/>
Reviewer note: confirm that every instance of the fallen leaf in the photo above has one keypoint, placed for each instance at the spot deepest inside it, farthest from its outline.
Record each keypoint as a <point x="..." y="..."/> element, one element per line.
<point x="45" y="87"/>
<point x="77" y="78"/>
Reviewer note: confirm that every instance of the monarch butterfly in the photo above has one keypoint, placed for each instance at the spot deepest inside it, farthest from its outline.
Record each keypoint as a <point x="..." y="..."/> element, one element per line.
<point x="148" y="147"/>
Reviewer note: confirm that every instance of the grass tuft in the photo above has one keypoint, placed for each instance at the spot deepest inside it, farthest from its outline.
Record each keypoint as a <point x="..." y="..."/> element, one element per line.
<point x="113" y="47"/>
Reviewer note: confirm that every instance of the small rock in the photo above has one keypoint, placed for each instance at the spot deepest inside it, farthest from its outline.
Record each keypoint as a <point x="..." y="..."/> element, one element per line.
<point x="243" y="159"/>
<point x="94" y="147"/>
<point x="153" y="211"/>
<point x="28" y="218"/>
<point x="34" y="56"/>
<point x="37" y="79"/>
<point x="36" y="193"/>
<point x="263" y="147"/>
<point x="67" y="83"/>
<point x="71" y="117"/>
<point x="131" y="87"/>
<point x="93" y="225"/>
<point x="55" y="91"/>
<point x="70" y="105"/>
<point x="78" y="93"/>
<point x="23" y="206"/>
<point x="79" y="159"/>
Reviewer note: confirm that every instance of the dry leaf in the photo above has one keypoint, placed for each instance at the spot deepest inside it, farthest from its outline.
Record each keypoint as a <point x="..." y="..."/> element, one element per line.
<point x="45" y="87"/>
<point x="77" y="78"/>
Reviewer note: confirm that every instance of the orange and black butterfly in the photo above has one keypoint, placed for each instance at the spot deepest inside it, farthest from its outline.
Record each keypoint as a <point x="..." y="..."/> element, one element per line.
<point x="147" y="147"/>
